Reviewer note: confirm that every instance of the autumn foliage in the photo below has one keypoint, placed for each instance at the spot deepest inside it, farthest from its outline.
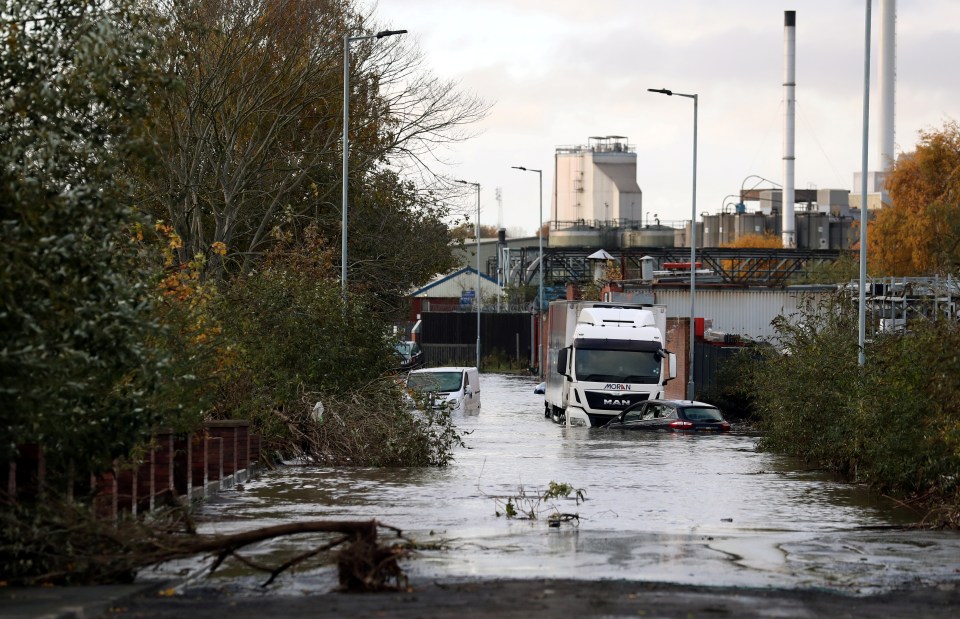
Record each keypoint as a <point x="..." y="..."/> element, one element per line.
<point x="919" y="234"/>
<point x="754" y="241"/>
<point x="757" y="241"/>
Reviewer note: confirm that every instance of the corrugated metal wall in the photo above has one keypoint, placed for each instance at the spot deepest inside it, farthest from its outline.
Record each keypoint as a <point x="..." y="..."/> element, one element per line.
<point x="746" y="312"/>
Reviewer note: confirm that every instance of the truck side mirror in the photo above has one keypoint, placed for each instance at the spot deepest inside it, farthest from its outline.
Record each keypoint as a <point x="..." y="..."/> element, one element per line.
<point x="562" y="362"/>
<point x="672" y="359"/>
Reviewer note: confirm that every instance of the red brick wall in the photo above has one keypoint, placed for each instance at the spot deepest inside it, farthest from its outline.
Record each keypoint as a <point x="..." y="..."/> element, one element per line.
<point x="126" y="489"/>
<point x="182" y="465"/>
<point x="228" y="432"/>
<point x="214" y="458"/>
<point x="678" y="340"/>
<point x="170" y="464"/>
<point x="199" y="456"/>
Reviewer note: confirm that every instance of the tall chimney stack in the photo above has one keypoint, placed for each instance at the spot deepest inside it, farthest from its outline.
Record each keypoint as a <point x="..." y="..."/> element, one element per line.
<point x="888" y="80"/>
<point x="789" y="235"/>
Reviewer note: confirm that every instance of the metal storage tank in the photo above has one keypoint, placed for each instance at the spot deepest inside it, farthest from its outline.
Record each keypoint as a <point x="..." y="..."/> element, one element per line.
<point x="750" y="223"/>
<point x="813" y="230"/>
<point x="649" y="236"/>
<point x="575" y="237"/>
<point x="728" y="229"/>
<point x="844" y="233"/>
<point x="610" y="238"/>
<point x="711" y="231"/>
<point x="681" y="236"/>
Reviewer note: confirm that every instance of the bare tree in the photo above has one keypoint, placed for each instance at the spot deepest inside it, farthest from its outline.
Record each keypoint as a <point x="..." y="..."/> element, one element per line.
<point x="250" y="132"/>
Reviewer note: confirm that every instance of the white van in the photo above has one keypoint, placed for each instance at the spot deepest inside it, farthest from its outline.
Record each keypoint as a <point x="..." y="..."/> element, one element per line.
<point x="458" y="388"/>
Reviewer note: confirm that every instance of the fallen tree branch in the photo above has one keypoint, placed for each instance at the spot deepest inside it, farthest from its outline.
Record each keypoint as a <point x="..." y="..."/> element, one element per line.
<point x="71" y="545"/>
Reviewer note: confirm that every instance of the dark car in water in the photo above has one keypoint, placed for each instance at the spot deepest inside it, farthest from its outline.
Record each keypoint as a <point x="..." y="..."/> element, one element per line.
<point x="670" y="416"/>
<point x="409" y="355"/>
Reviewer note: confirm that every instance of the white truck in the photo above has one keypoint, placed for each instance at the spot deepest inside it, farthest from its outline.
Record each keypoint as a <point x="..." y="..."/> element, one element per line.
<point x="603" y="357"/>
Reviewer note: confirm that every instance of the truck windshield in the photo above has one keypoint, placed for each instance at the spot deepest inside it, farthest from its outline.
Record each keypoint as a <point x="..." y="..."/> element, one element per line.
<point x="628" y="366"/>
<point x="425" y="382"/>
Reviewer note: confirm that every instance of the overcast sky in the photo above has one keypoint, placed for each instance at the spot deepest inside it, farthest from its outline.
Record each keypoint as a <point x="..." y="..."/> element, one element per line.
<point x="559" y="71"/>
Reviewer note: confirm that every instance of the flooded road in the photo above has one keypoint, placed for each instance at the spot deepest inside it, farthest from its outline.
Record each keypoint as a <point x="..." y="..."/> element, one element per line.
<point x="706" y="510"/>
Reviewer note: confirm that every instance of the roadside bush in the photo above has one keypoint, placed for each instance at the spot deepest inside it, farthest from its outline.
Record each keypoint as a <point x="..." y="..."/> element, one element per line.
<point x="912" y="398"/>
<point x="894" y="423"/>
<point x="293" y="341"/>
<point x="376" y="425"/>
<point x="807" y="392"/>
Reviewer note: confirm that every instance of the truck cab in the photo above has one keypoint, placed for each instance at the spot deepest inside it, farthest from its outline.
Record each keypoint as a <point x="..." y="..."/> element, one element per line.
<point x="612" y="357"/>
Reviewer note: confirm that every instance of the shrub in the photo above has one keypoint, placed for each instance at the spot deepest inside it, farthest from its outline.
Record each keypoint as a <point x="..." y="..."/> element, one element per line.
<point x="294" y="342"/>
<point x="893" y="423"/>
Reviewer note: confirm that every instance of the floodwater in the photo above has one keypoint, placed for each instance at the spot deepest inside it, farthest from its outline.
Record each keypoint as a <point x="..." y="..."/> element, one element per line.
<point x="706" y="510"/>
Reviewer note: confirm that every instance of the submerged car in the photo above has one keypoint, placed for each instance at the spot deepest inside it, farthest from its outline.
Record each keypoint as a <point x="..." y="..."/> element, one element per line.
<point x="455" y="387"/>
<point x="670" y="416"/>
<point x="409" y="355"/>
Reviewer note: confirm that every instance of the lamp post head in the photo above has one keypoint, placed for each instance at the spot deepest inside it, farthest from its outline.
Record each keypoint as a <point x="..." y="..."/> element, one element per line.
<point x="670" y="93"/>
<point x="389" y="33"/>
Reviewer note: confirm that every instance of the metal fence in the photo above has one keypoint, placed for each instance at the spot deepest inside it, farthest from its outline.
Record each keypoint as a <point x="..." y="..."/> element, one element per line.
<point x="450" y="338"/>
<point x="435" y="355"/>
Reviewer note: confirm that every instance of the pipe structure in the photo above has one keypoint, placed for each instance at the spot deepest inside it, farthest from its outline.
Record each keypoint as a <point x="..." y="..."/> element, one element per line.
<point x="789" y="236"/>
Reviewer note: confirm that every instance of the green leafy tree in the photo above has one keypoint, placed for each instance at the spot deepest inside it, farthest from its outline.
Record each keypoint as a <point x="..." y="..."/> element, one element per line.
<point x="75" y="364"/>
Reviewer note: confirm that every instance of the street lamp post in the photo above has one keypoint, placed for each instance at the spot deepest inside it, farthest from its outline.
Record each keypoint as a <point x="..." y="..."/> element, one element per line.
<point x="347" y="40"/>
<point x="540" y="269"/>
<point x="693" y="235"/>
<point x="477" y="296"/>
<point x="862" y="306"/>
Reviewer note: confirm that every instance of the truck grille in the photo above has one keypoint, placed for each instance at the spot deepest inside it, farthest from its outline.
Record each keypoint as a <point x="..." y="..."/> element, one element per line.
<point x="600" y="401"/>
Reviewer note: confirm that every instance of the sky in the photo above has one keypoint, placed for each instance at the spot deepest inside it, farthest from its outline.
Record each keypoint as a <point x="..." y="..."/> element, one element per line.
<point x="559" y="71"/>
